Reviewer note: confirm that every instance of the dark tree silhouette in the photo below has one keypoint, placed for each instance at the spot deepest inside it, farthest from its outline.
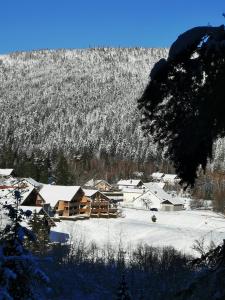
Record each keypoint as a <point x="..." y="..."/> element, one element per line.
<point x="183" y="105"/>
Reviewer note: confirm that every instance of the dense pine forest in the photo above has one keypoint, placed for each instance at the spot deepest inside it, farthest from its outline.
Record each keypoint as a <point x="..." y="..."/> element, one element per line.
<point x="74" y="112"/>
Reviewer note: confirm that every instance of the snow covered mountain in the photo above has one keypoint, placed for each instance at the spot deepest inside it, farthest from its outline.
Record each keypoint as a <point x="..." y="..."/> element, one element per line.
<point x="80" y="101"/>
<point x="76" y="100"/>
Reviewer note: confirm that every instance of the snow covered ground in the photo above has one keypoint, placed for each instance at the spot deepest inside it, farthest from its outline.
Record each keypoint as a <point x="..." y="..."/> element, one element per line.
<point x="179" y="229"/>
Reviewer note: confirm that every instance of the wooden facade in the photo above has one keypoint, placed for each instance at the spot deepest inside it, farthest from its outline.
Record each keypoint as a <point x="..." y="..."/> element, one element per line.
<point x="79" y="205"/>
<point x="103" y="186"/>
<point x="101" y="205"/>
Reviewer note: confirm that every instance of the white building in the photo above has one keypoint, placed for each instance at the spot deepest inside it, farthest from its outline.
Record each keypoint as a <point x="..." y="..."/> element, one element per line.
<point x="6" y="173"/>
<point x="154" y="197"/>
<point x="157" y="176"/>
<point x="130" y="194"/>
<point x="171" y="179"/>
<point x="130" y="183"/>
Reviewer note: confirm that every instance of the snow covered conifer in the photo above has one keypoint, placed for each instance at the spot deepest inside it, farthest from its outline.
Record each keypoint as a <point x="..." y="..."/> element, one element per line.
<point x="41" y="230"/>
<point x="20" y="275"/>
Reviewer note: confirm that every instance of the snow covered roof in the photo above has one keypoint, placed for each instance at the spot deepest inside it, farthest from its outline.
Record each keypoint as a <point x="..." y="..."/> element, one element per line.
<point x="89" y="183"/>
<point x="90" y="192"/>
<point x="157" y="191"/>
<point x="153" y="184"/>
<point x="33" y="182"/>
<point x="7" y="193"/>
<point x="94" y="182"/>
<point x="157" y="175"/>
<point x="170" y="177"/>
<point x="174" y="201"/>
<point x="53" y="193"/>
<point x="132" y="190"/>
<point x="129" y="182"/>
<point x="6" y="172"/>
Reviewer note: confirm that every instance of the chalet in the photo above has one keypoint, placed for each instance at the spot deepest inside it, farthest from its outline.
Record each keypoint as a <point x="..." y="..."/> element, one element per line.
<point x="100" y="185"/>
<point x="170" y="179"/>
<point x="100" y="205"/>
<point x="172" y="204"/>
<point x="114" y="196"/>
<point x="149" y="185"/>
<point x="27" y="192"/>
<point x="157" y="176"/>
<point x="6" y="173"/>
<point x="66" y="200"/>
<point x="130" y="183"/>
<point x="33" y="182"/>
<point x="156" y="198"/>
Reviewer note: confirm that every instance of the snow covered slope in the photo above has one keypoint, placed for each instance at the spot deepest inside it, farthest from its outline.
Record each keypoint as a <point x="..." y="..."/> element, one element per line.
<point x="178" y="229"/>
<point x="76" y="100"/>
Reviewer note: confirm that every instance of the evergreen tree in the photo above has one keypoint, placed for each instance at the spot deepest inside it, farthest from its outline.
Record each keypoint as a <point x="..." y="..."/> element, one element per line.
<point x="183" y="105"/>
<point x="41" y="230"/>
<point x="20" y="276"/>
<point x="62" y="170"/>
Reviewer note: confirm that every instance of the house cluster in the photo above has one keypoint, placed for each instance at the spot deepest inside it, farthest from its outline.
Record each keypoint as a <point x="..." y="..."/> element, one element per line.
<point x="150" y="195"/>
<point x="96" y="198"/>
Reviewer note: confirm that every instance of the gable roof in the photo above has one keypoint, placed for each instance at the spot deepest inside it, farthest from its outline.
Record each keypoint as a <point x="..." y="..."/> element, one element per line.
<point x="53" y="193"/>
<point x="94" y="182"/>
<point x="91" y="192"/>
<point x="174" y="201"/>
<point x="7" y="192"/>
<point x="151" y="184"/>
<point x="129" y="182"/>
<point x="133" y="190"/>
<point x="6" y="172"/>
<point x="170" y="177"/>
<point x="157" y="175"/>
<point x="33" y="182"/>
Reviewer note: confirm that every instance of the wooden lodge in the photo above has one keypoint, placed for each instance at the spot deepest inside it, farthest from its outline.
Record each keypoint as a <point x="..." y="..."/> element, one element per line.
<point x="101" y="206"/>
<point x="66" y="201"/>
<point x="99" y="184"/>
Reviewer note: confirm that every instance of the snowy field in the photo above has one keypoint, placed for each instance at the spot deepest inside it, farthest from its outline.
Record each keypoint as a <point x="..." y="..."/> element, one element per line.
<point x="179" y="229"/>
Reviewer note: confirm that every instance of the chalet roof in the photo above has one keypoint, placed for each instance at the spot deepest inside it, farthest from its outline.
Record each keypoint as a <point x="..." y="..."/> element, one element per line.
<point x="157" y="191"/>
<point x="132" y="190"/>
<point x="6" y="172"/>
<point x="53" y="193"/>
<point x="90" y="193"/>
<point x="154" y="184"/>
<point x="7" y="193"/>
<point x="157" y="175"/>
<point x="170" y="177"/>
<point x="94" y="182"/>
<point x="129" y="182"/>
<point x="89" y="183"/>
<point x="174" y="201"/>
<point x="33" y="182"/>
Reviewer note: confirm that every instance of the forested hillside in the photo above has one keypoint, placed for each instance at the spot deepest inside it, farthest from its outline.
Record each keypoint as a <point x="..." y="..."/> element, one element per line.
<point x="76" y="100"/>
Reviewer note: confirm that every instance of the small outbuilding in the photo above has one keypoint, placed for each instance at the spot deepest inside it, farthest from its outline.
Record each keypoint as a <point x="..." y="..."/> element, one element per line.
<point x="173" y="204"/>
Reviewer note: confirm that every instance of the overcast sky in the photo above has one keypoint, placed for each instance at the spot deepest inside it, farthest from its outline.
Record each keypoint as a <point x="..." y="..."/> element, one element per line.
<point x="52" y="24"/>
